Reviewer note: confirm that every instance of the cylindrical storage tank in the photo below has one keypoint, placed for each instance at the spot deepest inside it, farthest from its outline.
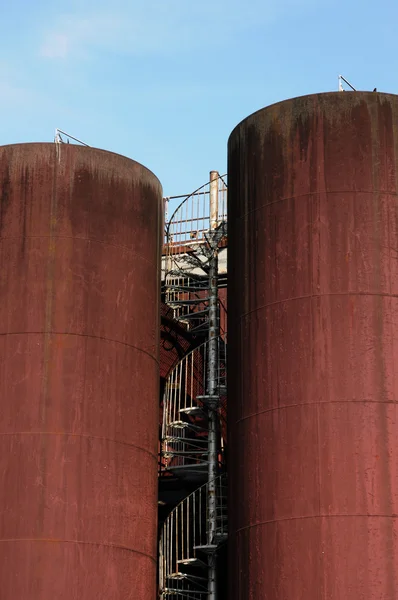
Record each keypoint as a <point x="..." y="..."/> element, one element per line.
<point x="313" y="339"/>
<point x="80" y="235"/>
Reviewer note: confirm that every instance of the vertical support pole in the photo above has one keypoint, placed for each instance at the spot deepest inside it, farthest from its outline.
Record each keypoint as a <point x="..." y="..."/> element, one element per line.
<point x="214" y="176"/>
<point x="166" y="209"/>
<point x="212" y="391"/>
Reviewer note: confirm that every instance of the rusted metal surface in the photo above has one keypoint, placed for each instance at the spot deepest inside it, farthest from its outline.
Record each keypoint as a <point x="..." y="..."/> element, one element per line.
<point x="313" y="339"/>
<point x="175" y="341"/>
<point x="80" y="237"/>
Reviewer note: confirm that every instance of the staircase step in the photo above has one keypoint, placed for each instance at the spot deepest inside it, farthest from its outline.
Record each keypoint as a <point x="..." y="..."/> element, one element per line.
<point x="189" y="471"/>
<point x="206" y="398"/>
<point x="195" y="315"/>
<point x="189" y="442"/>
<point x="180" y="575"/>
<point x="192" y="562"/>
<point x="178" y="424"/>
<point x="192" y="410"/>
<point x="177" y="576"/>
<point x="186" y="424"/>
<point x="188" y="593"/>
<point x="193" y="455"/>
<point x="185" y="288"/>
<point x="207" y="549"/>
<point x="177" y="302"/>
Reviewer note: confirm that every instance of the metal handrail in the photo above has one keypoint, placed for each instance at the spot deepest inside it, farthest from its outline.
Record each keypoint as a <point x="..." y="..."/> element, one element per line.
<point x="184" y="428"/>
<point x="184" y="541"/>
<point x="194" y="402"/>
<point x="186" y="256"/>
<point x="195" y="208"/>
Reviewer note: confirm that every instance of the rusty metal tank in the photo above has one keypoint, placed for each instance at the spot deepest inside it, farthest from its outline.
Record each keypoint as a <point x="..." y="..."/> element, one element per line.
<point x="313" y="340"/>
<point x="80" y="236"/>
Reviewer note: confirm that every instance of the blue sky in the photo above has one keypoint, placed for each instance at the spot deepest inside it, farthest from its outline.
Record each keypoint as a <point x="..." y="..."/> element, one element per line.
<point x="164" y="82"/>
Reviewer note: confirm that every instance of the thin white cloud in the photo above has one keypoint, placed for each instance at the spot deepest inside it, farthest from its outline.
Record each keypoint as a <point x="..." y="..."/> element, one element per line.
<point x="165" y="26"/>
<point x="55" y="45"/>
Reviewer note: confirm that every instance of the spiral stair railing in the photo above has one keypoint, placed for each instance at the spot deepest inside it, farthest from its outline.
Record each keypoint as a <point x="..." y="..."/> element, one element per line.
<point x="185" y="543"/>
<point x="194" y="401"/>
<point x="188" y="252"/>
<point x="185" y="424"/>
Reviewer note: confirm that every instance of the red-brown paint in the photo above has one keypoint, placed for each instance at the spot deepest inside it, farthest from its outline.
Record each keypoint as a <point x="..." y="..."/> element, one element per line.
<point x="313" y="341"/>
<point x="175" y="341"/>
<point x="80" y="235"/>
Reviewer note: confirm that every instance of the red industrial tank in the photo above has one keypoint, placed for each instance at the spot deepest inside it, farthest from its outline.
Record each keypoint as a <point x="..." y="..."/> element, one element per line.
<point x="80" y="236"/>
<point x="313" y="340"/>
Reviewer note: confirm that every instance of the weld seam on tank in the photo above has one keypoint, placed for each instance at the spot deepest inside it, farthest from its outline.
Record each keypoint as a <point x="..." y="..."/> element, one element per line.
<point x="316" y="516"/>
<point x="153" y="455"/>
<point x="79" y="542"/>
<point x="323" y="295"/>
<point x="326" y="402"/>
<point x="83" y="335"/>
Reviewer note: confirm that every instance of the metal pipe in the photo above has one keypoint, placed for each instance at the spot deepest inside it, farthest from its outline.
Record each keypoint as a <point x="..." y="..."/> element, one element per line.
<point x="341" y="78"/>
<point x="213" y="384"/>
<point x="214" y="177"/>
<point x="57" y="131"/>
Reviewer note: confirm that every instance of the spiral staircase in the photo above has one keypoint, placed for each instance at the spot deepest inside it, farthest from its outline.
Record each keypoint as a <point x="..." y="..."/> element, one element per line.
<point x="185" y="413"/>
<point x="185" y="543"/>
<point x="194" y="403"/>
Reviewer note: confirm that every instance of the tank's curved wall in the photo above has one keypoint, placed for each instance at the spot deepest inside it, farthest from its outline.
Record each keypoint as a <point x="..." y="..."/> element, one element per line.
<point x="80" y="234"/>
<point x="175" y="341"/>
<point x="313" y="340"/>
